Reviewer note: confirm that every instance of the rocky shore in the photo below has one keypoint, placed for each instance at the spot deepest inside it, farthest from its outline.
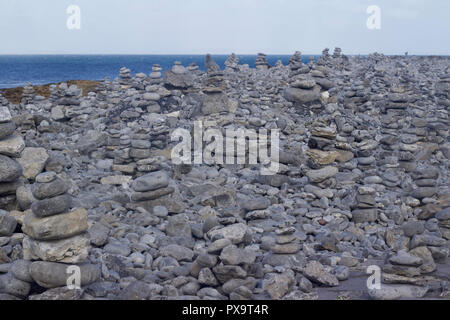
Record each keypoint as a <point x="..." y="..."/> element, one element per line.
<point x="87" y="179"/>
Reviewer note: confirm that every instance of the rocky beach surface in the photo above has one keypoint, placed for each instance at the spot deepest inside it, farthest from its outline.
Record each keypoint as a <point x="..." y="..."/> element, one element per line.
<point x="87" y="179"/>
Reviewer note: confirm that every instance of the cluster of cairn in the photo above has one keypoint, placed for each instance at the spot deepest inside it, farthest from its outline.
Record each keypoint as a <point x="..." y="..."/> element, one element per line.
<point x="362" y="181"/>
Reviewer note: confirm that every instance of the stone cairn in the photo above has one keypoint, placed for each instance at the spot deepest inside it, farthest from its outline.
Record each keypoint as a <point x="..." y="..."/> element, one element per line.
<point x="11" y="147"/>
<point x="125" y="77"/>
<point x="337" y="53"/>
<point x="178" y="78"/>
<point x="215" y="99"/>
<point x="232" y="63"/>
<point x="296" y="64"/>
<point x="155" y="75"/>
<point x="56" y="236"/>
<point x="67" y="100"/>
<point x="443" y="92"/>
<point x="140" y="81"/>
<point x="261" y="62"/>
<point x="28" y="94"/>
<point x="194" y="68"/>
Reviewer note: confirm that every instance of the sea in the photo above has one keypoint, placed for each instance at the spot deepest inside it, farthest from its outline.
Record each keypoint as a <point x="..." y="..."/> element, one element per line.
<point x="18" y="70"/>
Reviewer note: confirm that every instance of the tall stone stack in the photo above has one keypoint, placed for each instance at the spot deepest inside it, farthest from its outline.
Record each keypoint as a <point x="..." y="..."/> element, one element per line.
<point x="321" y="153"/>
<point x="140" y="145"/>
<point x="102" y="91"/>
<point x="54" y="232"/>
<point x="261" y="62"/>
<point x="443" y="90"/>
<point x="151" y="99"/>
<point x="302" y="90"/>
<point x="67" y="100"/>
<point x="296" y="65"/>
<point x="156" y="75"/>
<point x="125" y="77"/>
<point x="337" y="53"/>
<point x="215" y="99"/>
<point x="139" y="82"/>
<point x="28" y="94"/>
<point x="232" y="63"/>
<point x="325" y="58"/>
<point x="425" y="180"/>
<point x="56" y="235"/>
<point x="11" y="147"/>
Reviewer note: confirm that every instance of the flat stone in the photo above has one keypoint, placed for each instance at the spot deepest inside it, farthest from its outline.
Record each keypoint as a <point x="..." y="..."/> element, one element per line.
<point x="72" y="250"/>
<point x="178" y="252"/>
<point x="52" y="275"/>
<point x="151" y="195"/>
<point x="49" y="190"/>
<point x="301" y="96"/>
<point x="320" y="175"/>
<point x="235" y="233"/>
<point x="397" y="292"/>
<point x="424" y="192"/>
<point x="364" y="215"/>
<point x="116" y="180"/>
<point x="406" y="259"/>
<point x="55" y="227"/>
<point x="152" y="181"/>
<point x="51" y="206"/>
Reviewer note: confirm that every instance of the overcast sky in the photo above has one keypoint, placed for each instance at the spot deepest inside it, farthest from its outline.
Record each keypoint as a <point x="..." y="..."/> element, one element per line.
<point x="223" y="26"/>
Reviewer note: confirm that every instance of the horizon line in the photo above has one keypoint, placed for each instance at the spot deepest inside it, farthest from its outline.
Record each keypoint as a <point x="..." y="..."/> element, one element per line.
<point x="214" y="54"/>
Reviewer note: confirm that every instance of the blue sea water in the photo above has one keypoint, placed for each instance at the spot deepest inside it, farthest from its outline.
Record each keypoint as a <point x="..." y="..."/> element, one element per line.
<point x="17" y="70"/>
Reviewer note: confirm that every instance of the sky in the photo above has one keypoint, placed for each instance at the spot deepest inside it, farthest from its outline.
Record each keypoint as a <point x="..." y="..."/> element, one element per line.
<point x="224" y="26"/>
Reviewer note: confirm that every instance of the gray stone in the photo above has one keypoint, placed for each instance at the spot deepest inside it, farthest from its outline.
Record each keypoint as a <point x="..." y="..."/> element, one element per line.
<point x="396" y="292"/>
<point x="316" y="272"/>
<point x="51" y="275"/>
<point x="15" y="287"/>
<point x="321" y="174"/>
<point x="152" y="181"/>
<point x="12" y="146"/>
<point x="20" y="270"/>
<point x="234" y="256"/>
<point x="10" y="169"/>
<point x="52" y="206"/>
<point x="6" y="129"/>
<point x="48" y="190"/>
<point x="7" y="224"/>
<point x="55" y="227"/>
<point x="301" y="96"/>
<point x="178" y="225"/>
